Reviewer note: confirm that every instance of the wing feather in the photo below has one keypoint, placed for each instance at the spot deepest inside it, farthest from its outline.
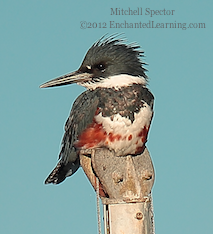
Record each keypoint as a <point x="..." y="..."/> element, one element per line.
<point x="81" y="116"/>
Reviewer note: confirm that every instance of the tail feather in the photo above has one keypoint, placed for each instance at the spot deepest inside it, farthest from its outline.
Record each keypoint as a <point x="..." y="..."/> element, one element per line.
<point x="61" y="171"/>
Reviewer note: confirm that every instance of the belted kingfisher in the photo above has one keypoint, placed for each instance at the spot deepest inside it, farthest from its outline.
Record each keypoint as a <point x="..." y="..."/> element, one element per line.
<point x="114" y="112"/>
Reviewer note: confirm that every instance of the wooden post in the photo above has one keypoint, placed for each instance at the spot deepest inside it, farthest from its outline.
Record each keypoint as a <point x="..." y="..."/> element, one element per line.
<point x="125" y="185"/>
<point x="129" y="218"/>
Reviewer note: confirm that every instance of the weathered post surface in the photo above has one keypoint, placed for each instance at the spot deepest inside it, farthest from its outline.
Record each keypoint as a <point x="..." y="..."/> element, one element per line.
<point x="125" y="185"/>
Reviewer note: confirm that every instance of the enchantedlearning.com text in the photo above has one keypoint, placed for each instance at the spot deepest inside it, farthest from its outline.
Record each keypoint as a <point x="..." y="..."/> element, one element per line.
<point x="151" y="24"/>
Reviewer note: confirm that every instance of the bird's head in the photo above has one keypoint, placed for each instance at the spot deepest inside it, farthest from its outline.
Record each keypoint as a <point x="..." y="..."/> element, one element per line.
<point x="110" y="62"/>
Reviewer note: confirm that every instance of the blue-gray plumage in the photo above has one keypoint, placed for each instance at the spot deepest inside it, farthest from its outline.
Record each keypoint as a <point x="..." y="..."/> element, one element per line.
<point x="116" y="110"/>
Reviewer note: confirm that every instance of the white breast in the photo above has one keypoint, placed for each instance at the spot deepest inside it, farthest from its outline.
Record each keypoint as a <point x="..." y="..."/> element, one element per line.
<point x="126" y="133"/>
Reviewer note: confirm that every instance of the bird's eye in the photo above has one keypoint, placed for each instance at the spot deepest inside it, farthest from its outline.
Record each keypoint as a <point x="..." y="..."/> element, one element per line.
<point x="101" y="67"/>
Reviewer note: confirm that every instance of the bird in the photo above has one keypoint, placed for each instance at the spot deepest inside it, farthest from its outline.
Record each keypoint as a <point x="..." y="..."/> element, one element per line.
<point x="115" y="111"/>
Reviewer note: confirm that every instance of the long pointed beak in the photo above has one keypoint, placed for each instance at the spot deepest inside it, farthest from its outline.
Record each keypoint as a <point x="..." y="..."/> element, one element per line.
<point x="73" y="77"/>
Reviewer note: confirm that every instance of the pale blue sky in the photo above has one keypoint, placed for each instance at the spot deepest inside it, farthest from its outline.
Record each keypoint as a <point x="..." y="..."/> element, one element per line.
<point x="41" y="40"/>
